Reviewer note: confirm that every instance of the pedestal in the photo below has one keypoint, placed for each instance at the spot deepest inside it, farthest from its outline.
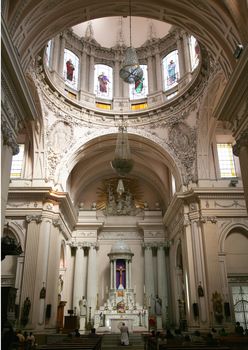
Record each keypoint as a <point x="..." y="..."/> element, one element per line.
<point x="82" y="323"/>
<point x="159" y="322"/>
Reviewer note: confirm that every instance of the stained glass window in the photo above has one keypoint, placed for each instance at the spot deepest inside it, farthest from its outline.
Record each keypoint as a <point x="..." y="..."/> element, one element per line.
<point x="194" y="49"/>
<point x="226" y="162"/>
<point x="17" y="163"/>
<point x="140" y="88"/>
<point x="71" y="66"/>
<point x="240" y="304"/>
<point x="171" y="70"/>
<point x="103" y="81"/>
<point x="48" y="53"/>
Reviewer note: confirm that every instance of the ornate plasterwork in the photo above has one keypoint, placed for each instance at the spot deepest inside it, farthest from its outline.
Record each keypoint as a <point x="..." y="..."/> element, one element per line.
<point x="130" y="235"/>
<point x="9" y="138"/>
<point x="241" y="142"/>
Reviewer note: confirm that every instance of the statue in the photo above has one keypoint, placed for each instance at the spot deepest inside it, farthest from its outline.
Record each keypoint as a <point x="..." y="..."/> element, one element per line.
<point x="60" y="285"/>
<point x="83" y="306"/>
<point x="158" y="305"/>
<point x="25" y="311"/>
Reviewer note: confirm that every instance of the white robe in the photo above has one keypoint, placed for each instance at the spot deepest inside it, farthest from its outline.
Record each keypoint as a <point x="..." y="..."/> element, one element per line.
<point x="124" y="335"/>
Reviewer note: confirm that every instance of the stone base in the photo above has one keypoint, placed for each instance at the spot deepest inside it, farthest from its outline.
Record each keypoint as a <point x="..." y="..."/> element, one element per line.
<point x="159" y="322"/>
<point x="82" y="323"/>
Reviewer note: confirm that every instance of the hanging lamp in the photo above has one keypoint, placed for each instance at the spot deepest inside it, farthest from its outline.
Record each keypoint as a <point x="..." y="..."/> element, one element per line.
<point x="130" y="71"/>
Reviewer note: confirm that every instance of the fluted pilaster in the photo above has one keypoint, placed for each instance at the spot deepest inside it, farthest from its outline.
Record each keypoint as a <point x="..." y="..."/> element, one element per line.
<point x="79" y="276"/>
<point x="149" y="276"/>
<point x="92" y="278"/>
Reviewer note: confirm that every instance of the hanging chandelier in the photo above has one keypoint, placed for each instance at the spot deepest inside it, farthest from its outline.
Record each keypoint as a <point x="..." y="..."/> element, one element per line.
<point x="122" y="162"/>
<point x="130" y="71"/>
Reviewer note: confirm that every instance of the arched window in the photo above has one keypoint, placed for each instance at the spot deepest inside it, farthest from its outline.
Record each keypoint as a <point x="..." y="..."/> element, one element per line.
<point x="140" y="88"/>
<point x="71" y="65"/>
<point x="103" y="79"/>
<point x="226" y="160"/>
<point x="171" y="70"/>
<point x="194" y="50"/>
<point x="17" y="163"/>
<point x="48" y="53"/>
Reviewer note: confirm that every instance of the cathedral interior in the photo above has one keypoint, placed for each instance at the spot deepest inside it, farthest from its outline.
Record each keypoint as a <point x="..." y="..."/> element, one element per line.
<point x="124" y="191"/>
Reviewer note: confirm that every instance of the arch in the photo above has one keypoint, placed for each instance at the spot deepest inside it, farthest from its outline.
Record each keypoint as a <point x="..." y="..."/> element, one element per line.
<point x="139" y="141"/>
<point x="31" y="26"/>
<point x="230" y="227"/>
<point x="17" y="232"/>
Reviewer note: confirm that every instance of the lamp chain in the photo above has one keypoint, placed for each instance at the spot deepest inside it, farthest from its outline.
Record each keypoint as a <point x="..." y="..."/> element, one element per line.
<point x="130" y="22"/>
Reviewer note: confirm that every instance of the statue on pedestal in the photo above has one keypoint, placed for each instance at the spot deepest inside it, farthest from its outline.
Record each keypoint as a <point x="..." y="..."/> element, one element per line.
<point x="83" y="306"/>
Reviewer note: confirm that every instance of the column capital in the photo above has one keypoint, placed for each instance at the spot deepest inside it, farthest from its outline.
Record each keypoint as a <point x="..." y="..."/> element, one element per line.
<point x="9" y="138"/>
<point x="242" y="141"/>
<point x="36" y="218"/>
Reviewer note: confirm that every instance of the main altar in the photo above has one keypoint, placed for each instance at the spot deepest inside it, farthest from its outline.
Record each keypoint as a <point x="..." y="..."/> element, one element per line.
<point x="121" y="305"/>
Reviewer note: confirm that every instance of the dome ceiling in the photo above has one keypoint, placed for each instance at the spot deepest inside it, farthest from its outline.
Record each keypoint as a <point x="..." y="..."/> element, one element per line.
<point x="109" y="31"/>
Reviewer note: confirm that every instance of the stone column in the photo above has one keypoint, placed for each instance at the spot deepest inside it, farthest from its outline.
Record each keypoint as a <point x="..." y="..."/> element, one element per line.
<point x="9" y="148"/>
<point x="181" y="57"/>
<point x="150" y="74"/>
<point x="92" y="279"/>
<point x="114" y="274"/>
<point x="130" y="274"/>
<point x="149" y="276"/>
<point x="92" y="71"/>
<point x="18" y="280"/>
<point x="29" y="287"/>
<point x="186" y="53"/>
<point x="158" y="70"/>
<point x="79" y="288"/>
<point x="83" y="70"/>
<point x="240" y="149"/>
<point x="55" y="53"/>
<point x="162" y="279"/>
<point x="117" y="78"/>
<point x="61" y="55"/>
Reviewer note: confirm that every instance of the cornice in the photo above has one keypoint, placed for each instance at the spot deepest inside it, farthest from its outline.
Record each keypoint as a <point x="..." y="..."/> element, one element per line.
<point x="15" y="79"/>
<point x="195" y="195"/>
<point x="45" y="194"/>
<point x="233" y="105"/>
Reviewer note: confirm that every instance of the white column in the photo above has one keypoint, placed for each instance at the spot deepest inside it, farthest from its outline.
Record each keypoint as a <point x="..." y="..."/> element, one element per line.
<point x="61" y="56"/>
<point x="83" y="69"/>
<point x="150" y="74"/>
<point x="162" y="279"/>
<point x="92" y="279"/>
<point x="79" y="277"/>
<point x="186" y="53"/>
<point x="127" y="274"/>
<point x="158" y="70"/>
<point x="91" y="75"/>
<point x="240" y="150"/>
<point x="9" y="148"/>
<point x="18" y="280"/>
<point x="55" y="53"/>
<point x="181" y="57"/>
<point x="130" y="273"/>
<point x="117" y="79"/>
<point x="114" y="274"/>
<point x="111" y="274"/>
<point x="149" y="277"/>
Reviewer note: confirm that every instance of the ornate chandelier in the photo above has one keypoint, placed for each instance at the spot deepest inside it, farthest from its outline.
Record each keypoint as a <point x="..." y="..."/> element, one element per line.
<point x="122" y="162"/>
<point x="130" y="71"/>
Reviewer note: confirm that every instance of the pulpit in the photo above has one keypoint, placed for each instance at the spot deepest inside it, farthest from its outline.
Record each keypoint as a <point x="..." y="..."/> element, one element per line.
<point x="71" y="323"/>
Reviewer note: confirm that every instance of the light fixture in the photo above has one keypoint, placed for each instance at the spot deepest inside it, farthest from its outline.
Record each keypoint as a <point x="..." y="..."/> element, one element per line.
<point x="130" y="71"/>
<point x="122" y="162"/>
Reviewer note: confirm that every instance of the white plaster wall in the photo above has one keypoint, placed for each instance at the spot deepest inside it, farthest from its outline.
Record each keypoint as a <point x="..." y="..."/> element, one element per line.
<point x="236" y="249"/>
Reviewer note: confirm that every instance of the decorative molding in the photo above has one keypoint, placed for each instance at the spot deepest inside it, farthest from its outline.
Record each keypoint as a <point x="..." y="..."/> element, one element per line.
<point x="36" y="218"/>
<point x="9" y="138"/>
<point x="241" y="142"/>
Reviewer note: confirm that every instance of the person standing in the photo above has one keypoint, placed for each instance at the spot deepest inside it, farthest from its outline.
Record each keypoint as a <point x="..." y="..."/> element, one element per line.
<point x="124" y="334"/>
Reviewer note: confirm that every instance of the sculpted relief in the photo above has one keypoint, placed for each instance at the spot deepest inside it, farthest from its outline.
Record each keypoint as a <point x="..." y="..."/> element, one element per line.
<point x="60" y="136"/>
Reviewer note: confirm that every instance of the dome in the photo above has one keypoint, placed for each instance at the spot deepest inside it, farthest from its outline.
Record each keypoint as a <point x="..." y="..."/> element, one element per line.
<point x="120" y="247"/>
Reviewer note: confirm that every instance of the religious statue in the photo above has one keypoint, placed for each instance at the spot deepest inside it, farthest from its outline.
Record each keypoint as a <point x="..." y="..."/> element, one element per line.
<point x="171" y="72"/>
<point x="120" y="277"/>
<point x="82" y="306"/>
<point x="25" y="311"/>
<point x="103" y="82"/>
<point x="69" y="70"/>
<point x="217" y="307"/>
<point x="60" y="285"/>
<point x="158" y="305"/>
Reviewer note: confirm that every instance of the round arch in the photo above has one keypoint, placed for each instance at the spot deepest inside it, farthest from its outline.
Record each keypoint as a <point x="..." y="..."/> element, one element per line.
<point x="33" y="24"/>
